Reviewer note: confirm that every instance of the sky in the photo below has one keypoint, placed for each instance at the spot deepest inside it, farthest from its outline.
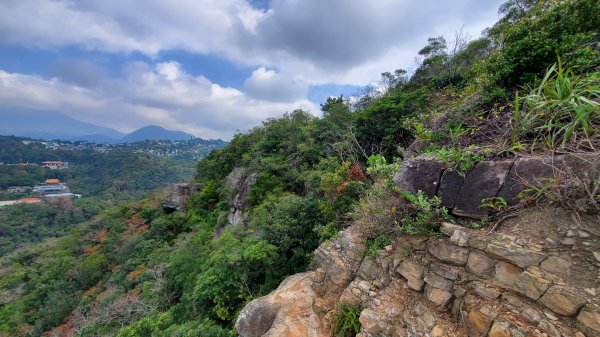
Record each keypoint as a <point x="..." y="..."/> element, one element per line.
<point x="211" y="67"/>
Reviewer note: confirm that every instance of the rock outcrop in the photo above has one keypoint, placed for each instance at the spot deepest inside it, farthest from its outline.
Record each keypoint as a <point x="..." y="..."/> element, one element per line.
<point x="462" y="194"/>
<point x="178" y="196"/>
<point x="537" y="275"/>
<point x="286" y="312"/>
<point x="524" y="280"/>
<point x="240" y="182"/>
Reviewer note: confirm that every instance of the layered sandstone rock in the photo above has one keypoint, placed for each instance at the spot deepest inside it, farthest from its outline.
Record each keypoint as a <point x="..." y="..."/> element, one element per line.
<point x="520" y="281"/>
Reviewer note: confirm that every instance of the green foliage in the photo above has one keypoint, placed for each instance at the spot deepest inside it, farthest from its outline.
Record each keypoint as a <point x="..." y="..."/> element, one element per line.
<point x="164" y="326"/>
<point x="288" y="223"/>
<point x="379" y="169"/>
<point x="345" y="322"/>
<point x="460" y="160"/>
<point x="562" y="107"/>
<point x="424" y="215"/>
<point x="266" y="184"/>
<point x="92" y="269"/>
<point x="531" y="36"/>
<point x="27" y="223"/>
<point x="377" y="243"/>
<point x="494" y="204"/>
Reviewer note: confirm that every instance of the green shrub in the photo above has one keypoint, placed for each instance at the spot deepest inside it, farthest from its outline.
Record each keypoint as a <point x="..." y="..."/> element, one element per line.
<point x="345" y="321"/>
<point x="379" y="242"/>
<point x="379" y="168"/>
<point x="424" y="215"/>
<point x="460" y="160"/>
<point x="529" y="43"/>
<point x="562" y="107"/>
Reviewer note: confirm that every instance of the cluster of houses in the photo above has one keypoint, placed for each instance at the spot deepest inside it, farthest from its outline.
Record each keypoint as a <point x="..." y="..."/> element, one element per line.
<point x="49" y="189"/>
<point x="51" y="164"/>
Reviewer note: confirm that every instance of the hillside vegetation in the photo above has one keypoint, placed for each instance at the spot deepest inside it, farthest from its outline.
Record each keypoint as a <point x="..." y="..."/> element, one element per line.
<point x="530" y="84"/>
<point x="104" y="180"/>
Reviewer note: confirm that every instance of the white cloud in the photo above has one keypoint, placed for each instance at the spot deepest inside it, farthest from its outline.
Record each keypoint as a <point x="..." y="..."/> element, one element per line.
<point x="164" y="94"/>
<point x="321" y="41"/>
<point x="273" y="86"/>
<point x="295" y="44"/>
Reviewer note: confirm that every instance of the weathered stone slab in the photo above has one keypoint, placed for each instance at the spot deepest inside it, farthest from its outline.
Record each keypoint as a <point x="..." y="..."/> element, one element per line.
<point x="480" y="264"/>
<point x="563" y="300"/>
<point x="449" y="228"/>
<point x="413" y="273"/>
<point x="482" y="182"/>
<point x="527" y="173"/>
<point x="590" y="317"/>
<point x="460" y="238"/>
<point x="437" y="281"/>
<point x="557" y="265"/>
<point x="448" y="253"/>
<point x="444" y="271"/>
<point x="532" y="284"/>
<point x="485" y="291"/>
<point x="584" y="166"/>
<point x="437" y="296"/>
<point x="477" y="318"/>
<point x="506" y="273"/>
<point x="420" y="173"/>
<point x="450" y="184"/>
<point x="515" y="254"/>
<point x="371" y="321"/>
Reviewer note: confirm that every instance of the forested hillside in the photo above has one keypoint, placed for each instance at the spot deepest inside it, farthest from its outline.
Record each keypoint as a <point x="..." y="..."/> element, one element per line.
<point x="530" y="84"/>
<point x="104" y="180"/>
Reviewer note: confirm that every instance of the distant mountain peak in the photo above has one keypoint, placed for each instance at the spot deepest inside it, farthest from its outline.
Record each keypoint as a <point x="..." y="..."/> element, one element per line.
<point x="51" y="125"/>
<point x="155" y="132"/>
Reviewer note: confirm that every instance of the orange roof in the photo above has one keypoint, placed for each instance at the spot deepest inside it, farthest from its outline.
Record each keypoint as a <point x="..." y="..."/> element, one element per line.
<point x="29" y="200"/>
<point x="52" y="181"/>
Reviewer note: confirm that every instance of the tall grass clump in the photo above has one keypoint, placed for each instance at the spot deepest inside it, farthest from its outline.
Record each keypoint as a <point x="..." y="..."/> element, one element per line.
<point x="563" y="107"/>
<point x="345" y="321"/>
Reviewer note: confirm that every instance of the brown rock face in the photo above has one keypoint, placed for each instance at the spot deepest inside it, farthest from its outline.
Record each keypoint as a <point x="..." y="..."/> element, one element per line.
<point x="517" y="255"/>
<point x="590" y="317"/>
<point x="446" y="252"/>
<point x="532" y="284"/>
<point x="438" y="297"/>
<point x="286" y="312"/>
<point x="562" y="300"/>
<point x="506" y="273"/>
<point x="480" y="264"/>
<point x="413" y="272"/>
<point x="435" y="287"/>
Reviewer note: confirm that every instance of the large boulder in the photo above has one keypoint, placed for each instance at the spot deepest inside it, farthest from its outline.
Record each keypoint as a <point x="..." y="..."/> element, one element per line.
<point x="482" y="182"/>
<point x="178" y="196"/>
<point x="527" y="173"/>
<point x="420" y="173"/>
<point x="450" y="184"/>
<point x="285" y="312"/>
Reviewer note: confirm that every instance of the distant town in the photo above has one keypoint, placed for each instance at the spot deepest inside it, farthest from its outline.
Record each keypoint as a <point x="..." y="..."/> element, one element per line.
<point x="192" y="149"/>
<point x="50" y="190"/>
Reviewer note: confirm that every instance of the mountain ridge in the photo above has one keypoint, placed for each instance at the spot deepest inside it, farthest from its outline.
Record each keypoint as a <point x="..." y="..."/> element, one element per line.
<point x="51" y="125"/>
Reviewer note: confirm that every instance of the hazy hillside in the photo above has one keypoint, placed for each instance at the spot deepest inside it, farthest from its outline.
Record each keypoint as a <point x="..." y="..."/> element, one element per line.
<point x="153" y="132"/>
<point x="50" y="125"/>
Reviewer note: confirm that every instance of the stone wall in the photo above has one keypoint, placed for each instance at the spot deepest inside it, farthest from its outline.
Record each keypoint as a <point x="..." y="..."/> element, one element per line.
<point x="463" y="193"/>
<point x="538" y="276"/>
